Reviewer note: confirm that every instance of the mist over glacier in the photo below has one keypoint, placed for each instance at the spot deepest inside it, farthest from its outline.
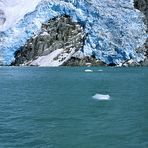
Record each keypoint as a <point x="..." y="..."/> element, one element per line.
<point x="114" y="28"/>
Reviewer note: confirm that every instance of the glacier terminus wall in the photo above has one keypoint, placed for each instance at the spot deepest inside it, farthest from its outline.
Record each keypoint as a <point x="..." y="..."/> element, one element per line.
<point x="114" y="28"/>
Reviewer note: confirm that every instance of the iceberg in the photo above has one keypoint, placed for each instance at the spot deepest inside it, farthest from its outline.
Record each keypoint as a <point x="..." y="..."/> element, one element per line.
<point x="101" y="97"/>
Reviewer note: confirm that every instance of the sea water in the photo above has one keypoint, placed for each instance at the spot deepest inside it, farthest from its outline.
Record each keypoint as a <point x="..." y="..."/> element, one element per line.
<point x="65" y="107"/>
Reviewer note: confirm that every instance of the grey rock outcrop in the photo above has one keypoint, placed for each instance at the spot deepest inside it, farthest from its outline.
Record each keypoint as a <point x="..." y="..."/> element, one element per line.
<point x="85" y="61"/>
<point x="142" y="5"/>
<point x="58" y="33"/>
<point x="2" y="17"/>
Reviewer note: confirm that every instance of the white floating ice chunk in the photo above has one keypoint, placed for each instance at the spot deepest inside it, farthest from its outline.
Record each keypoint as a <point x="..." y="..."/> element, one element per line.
<point x="101" y="97"/>
<point x="88" y="70"/>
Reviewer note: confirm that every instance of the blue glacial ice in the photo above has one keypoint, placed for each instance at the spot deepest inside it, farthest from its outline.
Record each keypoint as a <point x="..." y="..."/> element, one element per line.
<point x="114" y="28"/>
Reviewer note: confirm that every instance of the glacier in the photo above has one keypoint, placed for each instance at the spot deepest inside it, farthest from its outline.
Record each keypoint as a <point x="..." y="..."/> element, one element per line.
<point x="114" y="28"/>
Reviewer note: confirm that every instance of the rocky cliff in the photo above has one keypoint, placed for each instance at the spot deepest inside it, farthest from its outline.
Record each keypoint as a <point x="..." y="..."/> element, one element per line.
<point x="142" y="5"/>
<point x="55" y="44"/>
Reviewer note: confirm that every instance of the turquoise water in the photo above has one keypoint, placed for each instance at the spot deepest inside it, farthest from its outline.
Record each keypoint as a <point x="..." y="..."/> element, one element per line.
<point x="54" y="108"/>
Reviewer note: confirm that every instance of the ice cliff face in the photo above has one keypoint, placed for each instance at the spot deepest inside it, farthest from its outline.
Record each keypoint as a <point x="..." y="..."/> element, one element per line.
<point x="113" y="28"/>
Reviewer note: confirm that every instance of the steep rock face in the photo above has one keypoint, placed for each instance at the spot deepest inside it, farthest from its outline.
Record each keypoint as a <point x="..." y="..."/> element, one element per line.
<point x="85" y="61"/>
<point x="113" y="28"/>
<point x="2" y="17"/>
<point x="142" y="5"/>
<point x="58" y="40"/>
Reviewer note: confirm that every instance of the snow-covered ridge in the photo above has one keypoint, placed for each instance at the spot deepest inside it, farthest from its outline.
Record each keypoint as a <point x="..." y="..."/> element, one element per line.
<point x="114" y="28"/>
<point x="15" y="10"/>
